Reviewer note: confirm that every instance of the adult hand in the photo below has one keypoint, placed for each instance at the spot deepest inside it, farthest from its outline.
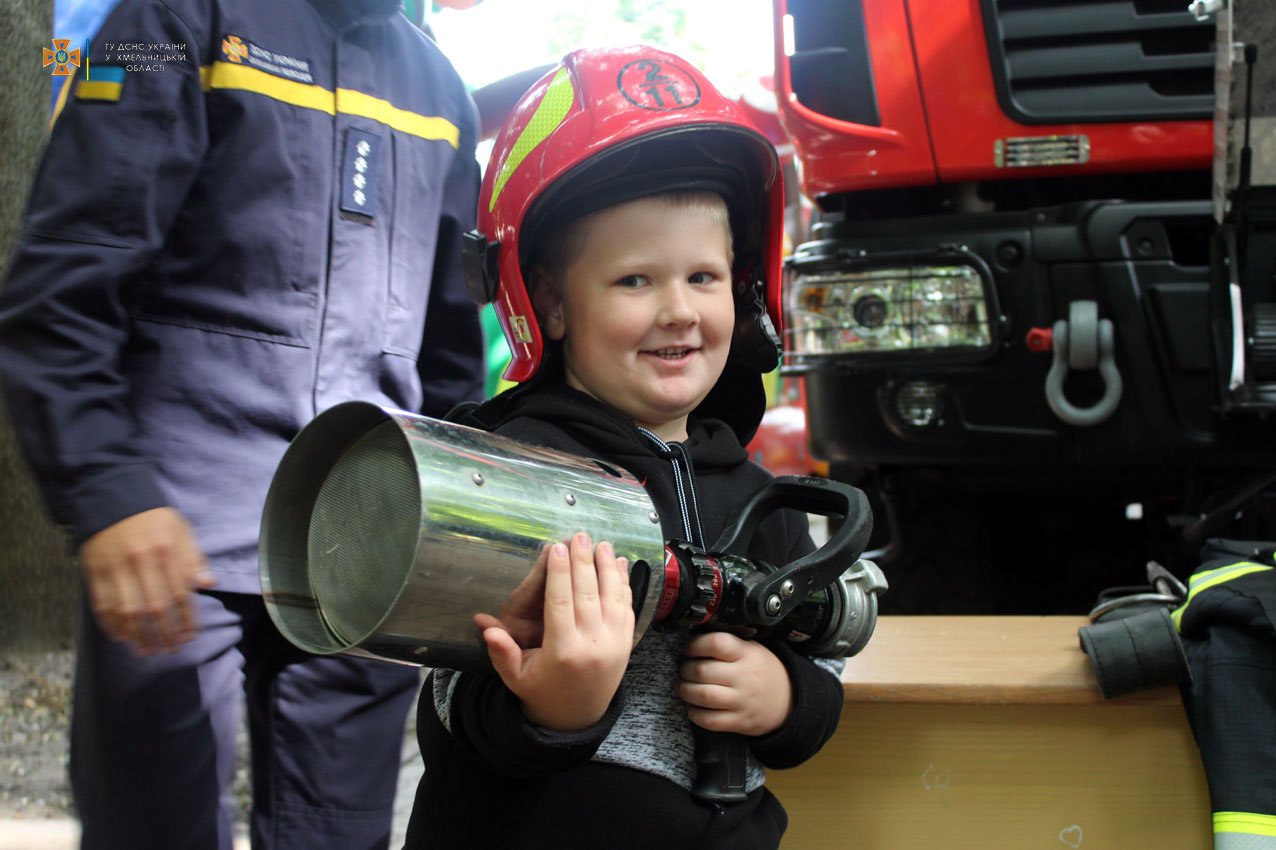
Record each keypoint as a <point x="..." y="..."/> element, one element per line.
<point x="734" y="685"/>
<point x="140" y="573"/>
<point x="569" y="680"/>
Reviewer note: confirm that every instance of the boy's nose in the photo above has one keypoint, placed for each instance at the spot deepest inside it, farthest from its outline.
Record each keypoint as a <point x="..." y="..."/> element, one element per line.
<point x="677" y="307"/>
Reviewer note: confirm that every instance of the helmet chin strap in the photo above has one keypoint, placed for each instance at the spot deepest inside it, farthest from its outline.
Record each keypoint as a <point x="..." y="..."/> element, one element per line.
<point x="755" y="344"/>
<point x="478" y="262"/>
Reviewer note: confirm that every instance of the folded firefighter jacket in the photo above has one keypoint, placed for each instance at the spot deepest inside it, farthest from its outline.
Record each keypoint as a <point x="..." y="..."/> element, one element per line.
<point x="1228" y="629"/>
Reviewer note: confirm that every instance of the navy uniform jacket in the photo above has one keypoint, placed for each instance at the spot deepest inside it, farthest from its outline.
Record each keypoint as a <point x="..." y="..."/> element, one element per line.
<point x="242" y="215"/>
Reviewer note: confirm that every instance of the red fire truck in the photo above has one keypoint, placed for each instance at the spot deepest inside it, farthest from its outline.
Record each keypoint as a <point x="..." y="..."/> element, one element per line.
<point x="1035" y="316"/>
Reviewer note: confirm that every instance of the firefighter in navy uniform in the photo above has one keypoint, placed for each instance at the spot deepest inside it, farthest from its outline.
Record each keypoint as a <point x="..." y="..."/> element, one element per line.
<point x="246" y="213"/>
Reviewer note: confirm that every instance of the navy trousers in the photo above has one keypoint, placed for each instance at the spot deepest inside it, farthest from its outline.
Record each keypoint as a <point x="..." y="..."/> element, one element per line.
<point x="153" y="739"/>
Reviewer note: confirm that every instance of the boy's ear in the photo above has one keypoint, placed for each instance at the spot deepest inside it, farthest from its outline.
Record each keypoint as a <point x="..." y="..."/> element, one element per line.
<point x="548" y="305"/>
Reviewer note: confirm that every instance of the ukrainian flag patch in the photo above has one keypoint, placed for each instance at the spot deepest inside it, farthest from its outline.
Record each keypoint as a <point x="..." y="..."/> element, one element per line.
<point x="103" y="83"/>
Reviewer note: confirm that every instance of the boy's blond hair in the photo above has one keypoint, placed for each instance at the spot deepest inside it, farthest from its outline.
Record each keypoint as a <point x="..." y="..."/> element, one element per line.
<point x="557" y="249"/>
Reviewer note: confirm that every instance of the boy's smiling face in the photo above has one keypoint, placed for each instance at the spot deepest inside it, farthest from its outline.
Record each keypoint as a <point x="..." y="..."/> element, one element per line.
<point x="645" y="311"/>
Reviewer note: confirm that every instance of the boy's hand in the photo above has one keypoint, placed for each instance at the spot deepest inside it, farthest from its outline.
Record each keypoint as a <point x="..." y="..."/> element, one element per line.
<point x="569" y="680"/>
<point x="522" y="613"/>
<point x="734" y="685"/>
<point x="140" y="574"/>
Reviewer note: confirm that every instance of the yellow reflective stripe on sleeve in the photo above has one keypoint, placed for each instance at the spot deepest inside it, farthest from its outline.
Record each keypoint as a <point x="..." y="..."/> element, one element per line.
<point x="1249" y="823"/>
<point x="1211" y="578"/>
<point x="351" y="102"/>
<point x="549" y="113"/>
<point x="226" y="75"/>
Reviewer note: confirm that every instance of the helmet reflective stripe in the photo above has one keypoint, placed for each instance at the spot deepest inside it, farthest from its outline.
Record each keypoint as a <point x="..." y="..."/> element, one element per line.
<point x="550" y="112"/>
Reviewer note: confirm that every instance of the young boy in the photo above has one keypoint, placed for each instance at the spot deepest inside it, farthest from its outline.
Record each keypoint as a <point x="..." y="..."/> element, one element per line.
<point x="639" y="224"/>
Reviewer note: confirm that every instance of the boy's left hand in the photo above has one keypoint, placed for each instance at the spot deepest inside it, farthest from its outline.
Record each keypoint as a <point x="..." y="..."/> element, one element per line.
<point x="734" y="685"/>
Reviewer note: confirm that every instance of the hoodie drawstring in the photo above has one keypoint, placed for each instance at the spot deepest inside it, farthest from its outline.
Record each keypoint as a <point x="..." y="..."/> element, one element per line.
<point x="691" y="491"/>
<point x="686" y="491"/>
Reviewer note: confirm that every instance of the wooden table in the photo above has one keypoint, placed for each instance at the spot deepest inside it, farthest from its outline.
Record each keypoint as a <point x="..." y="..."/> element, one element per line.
<point x="990" y="733"/>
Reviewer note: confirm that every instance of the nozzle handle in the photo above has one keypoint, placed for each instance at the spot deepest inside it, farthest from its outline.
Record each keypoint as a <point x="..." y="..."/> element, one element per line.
<point x="775" y="595"/>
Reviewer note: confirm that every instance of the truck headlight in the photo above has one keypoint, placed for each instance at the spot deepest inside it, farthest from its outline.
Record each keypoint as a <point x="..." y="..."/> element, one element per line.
<point x="920" y="403"/>
<point x="888" y="309"/>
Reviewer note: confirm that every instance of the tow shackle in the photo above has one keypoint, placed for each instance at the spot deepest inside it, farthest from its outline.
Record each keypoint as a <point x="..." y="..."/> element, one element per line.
<point x="1082" y="341"/>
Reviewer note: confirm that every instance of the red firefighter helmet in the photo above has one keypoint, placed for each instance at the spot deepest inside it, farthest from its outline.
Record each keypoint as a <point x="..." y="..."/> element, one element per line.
<point x="610" y="125"/>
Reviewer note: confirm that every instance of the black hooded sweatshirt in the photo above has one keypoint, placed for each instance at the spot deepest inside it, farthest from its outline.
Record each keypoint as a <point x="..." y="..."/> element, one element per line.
<point x="494" y="780"/>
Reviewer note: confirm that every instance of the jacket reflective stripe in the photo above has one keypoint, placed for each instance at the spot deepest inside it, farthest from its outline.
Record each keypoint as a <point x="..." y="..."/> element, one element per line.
<point x="1203" y="581"/>
<point x="1248" y="824"/>
<point x="225" y="75"/>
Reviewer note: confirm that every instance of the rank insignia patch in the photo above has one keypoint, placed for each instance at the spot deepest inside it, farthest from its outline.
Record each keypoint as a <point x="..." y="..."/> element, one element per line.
<point x="359" y="169"/>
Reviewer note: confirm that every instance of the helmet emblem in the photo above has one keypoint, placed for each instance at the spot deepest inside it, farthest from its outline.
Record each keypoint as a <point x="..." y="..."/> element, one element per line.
<point x="657" y="85"/>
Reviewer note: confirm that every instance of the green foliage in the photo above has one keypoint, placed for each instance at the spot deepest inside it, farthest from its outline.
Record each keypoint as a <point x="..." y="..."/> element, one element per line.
<point x="662" y="23"/>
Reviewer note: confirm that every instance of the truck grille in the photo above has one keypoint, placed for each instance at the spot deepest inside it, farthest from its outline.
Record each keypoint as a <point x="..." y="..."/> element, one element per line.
<point x="1058" y="61"/>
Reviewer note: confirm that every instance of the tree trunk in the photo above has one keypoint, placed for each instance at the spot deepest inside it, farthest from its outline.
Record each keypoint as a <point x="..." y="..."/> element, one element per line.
<point x="37" y="578"/>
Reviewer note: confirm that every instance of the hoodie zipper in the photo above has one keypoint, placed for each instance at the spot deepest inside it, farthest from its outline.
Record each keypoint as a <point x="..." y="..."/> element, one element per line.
<point x="684" y="479"/>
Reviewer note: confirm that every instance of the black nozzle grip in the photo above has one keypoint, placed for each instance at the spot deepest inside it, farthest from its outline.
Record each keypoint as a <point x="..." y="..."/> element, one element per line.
<point x="823" y="566"/>
<point x="722" y="761"/>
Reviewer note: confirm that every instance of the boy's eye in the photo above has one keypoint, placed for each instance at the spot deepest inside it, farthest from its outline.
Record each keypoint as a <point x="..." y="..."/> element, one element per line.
<point x="702" y="277"/>
<point x="631" y="281"/>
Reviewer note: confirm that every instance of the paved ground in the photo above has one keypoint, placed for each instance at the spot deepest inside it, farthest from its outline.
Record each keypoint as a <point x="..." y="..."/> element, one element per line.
<point x="35" y="801"/>
<point x="63" y="833"/>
